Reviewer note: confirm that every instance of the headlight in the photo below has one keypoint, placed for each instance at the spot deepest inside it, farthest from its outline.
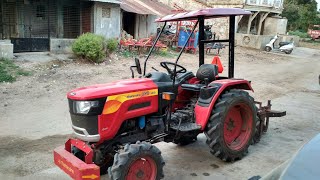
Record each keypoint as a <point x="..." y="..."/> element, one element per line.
<point x="83" y="107"/>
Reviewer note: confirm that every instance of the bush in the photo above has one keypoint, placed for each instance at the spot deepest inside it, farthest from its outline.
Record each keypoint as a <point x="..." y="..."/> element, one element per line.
<point x="299" y="33"/>
<point x="90" y="46"/>
<point x="112" y="45"/>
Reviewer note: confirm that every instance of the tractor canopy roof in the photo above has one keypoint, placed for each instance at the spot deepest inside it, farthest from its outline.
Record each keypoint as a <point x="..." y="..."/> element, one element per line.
<point x="200" y="16"/>
<point x="206" y="13"/>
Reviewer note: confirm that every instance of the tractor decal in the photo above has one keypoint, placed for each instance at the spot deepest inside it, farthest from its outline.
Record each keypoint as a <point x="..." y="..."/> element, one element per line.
<point x="113" y="103"/>
<point x="65" y="166"/>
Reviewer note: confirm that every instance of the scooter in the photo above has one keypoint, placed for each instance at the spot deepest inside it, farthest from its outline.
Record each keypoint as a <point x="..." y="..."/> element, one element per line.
<point x="286" y="47"/>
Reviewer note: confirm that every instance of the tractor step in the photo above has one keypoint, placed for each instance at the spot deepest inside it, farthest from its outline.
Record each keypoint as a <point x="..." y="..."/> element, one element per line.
<point x="185" y="127"/>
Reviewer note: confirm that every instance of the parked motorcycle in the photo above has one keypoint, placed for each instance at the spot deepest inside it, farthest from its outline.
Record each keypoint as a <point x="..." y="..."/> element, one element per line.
<point x="286" y="47"/>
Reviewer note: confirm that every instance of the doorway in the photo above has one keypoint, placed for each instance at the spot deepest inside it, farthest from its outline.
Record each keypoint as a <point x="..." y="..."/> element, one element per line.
<point x="128" y="22"/>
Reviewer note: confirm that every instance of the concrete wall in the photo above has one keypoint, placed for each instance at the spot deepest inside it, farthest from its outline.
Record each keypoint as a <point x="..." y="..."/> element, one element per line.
<point x="252" y="41"/>
<point x="275" y="25"/>
<point x="6" y="49"/>
<point x="61" y="45"/>
<point x="259" y="42"/>
<point x="145" y="26"/>
<point x="107" y="26"/>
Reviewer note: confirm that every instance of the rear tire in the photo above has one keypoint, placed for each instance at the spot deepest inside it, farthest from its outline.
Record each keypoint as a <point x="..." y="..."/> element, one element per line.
<point x="256" y="138"/>
<point x="137" y="161"/>
<point x="232" y="125"/>
<point x="288" y="52"/>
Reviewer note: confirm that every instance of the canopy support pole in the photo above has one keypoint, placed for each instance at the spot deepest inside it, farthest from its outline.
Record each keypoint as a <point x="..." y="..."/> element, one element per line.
<point x="231" y="45"/>
<point x="154" y="44"/>
<point x="201" y="39"/>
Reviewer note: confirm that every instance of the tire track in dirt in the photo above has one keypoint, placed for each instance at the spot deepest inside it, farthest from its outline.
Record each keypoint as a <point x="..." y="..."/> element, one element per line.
<point x="22" y="156"/>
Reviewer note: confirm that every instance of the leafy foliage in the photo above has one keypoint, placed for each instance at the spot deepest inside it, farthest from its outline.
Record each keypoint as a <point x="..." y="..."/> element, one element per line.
<point x="300" y="14"/>
<point x="127" y="53"/>
<point x="300" y="34"/>
<point x="94" y="47"/>
<point x="90" y="46"/>
<point x="112" y="45"/>
<point x="9" y="71"/>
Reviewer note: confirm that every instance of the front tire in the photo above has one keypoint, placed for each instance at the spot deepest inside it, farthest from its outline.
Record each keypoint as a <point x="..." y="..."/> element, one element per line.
<point x="232" y="125"/>
<point x="268" y="49"/>
<point x="141" y="161"/>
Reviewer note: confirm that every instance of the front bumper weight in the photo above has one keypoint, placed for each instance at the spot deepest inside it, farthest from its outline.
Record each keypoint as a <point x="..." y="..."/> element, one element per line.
<point x="73" y="166"/>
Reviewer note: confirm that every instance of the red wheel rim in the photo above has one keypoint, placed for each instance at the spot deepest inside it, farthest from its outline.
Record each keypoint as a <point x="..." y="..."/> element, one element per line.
<point x="238" y="126"/>
<point x="143" y="168"/>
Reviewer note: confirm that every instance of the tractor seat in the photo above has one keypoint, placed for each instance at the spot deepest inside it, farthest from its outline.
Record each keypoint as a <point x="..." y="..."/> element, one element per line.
<point x="206" y="71"/>
<point x="183" y="77"/>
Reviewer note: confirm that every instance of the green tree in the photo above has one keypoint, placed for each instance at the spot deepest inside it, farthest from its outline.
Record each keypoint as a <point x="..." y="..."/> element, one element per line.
<point x="300" y="14"/>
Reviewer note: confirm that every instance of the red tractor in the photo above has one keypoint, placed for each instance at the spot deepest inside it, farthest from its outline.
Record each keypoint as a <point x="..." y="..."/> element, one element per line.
<point x="115" y="124"/>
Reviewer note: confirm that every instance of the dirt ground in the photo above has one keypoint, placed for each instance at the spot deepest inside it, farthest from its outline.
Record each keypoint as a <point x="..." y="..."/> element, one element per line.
<point x="34" y="115"/>
<point x="310" y="44"/>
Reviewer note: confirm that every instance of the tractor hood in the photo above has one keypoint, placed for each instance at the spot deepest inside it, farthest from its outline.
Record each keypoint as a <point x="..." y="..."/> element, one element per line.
<point x="114" y="88"/>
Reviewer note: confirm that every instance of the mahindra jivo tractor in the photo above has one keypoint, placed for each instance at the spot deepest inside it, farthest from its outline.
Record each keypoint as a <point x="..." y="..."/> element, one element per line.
<point x="116" y="124"/>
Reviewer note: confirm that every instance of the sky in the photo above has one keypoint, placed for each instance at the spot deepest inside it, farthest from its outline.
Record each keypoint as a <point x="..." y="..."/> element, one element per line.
<point x="318" y="1"/>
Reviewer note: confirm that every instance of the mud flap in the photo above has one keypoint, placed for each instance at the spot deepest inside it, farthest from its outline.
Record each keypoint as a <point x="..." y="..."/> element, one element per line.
<point x="73" y="166"/>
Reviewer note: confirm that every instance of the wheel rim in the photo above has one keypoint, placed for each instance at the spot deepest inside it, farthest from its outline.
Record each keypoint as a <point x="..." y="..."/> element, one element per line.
<point x="143" y="168"/>
<point x="268" y="48"/>
<point x="238" y="126"/>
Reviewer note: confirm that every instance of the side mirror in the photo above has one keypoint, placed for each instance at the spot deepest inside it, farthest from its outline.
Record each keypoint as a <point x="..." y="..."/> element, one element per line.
<point x="138" y="66"/>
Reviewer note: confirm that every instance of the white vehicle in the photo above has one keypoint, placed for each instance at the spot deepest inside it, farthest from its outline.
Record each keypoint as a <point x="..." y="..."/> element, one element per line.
<point x="286" y="47"/>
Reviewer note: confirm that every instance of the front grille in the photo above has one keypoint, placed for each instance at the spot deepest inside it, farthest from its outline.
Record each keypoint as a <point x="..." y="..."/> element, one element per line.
<point x="79" y="132"/>
<point x="90" y="123"/>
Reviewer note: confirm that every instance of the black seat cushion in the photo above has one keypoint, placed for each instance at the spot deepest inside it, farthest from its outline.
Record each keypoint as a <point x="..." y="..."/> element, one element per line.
<point x="183" y="77"/>
<point x="284" y="43"/>
<point x="207" y="71"/>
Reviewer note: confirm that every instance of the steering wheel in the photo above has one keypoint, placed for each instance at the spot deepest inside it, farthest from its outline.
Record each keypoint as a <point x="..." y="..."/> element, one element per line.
<point x="171" y="71"/>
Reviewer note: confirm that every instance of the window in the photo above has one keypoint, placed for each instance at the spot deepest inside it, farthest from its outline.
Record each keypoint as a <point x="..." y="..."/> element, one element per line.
<point x="106" y="12"/>
<point x="41" y="12"/>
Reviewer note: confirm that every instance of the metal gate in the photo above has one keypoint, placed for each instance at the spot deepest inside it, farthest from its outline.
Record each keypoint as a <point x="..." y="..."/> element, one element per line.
<point x="30" y="44"/>
<point x="27" y="24"/>
<point x="31" y="23"/>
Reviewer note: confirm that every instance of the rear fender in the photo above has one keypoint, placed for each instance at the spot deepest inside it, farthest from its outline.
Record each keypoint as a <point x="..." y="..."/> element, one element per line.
<point x="203" y="111"/>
